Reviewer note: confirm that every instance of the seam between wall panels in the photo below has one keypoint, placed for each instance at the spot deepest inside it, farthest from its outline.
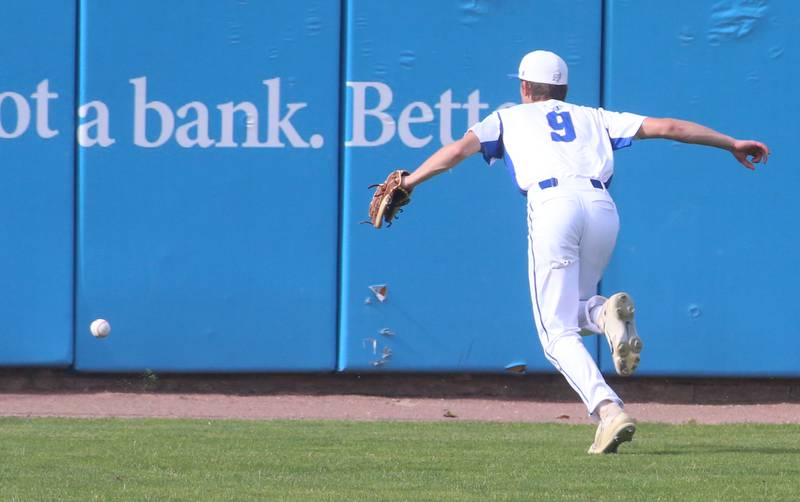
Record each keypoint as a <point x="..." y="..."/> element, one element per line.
<point x="75" y="178"/>
<point x="340" y="303"/>
<point x="602" y="67"/>
<point x="601" y="82"/>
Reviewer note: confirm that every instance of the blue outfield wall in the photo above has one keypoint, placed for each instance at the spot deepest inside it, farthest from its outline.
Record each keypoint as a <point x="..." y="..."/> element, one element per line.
<point x="708" y="247"/>
<point x="207" y="231"/>
<point x="37" y="96"/>
<point x="212" y="212"/>
<point x="455" y="264"/>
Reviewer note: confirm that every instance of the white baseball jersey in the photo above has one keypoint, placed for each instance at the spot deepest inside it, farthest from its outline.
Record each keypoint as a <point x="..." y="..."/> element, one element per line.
<point x="572" y="222"/>
<point x="554" y="139"/>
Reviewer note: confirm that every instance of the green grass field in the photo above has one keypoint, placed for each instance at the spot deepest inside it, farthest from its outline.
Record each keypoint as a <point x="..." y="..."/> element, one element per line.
<point x="73" y="459"/>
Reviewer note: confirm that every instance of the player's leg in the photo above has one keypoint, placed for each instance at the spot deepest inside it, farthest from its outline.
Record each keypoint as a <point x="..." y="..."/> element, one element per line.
<point x="556" y="224"/>
<point x="599" y="239"/>
<point x="613" y="317"/>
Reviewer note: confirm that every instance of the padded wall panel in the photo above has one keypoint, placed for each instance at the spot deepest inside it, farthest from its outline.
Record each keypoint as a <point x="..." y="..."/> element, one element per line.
<point x="208" y="228"/>
<point x="37" y="96"/>
<point x="456" y="263"/>
<point x="707" y="247"/>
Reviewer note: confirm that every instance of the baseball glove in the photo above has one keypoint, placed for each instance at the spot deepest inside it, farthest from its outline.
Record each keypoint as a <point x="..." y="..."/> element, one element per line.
<point x="388" y="198"/>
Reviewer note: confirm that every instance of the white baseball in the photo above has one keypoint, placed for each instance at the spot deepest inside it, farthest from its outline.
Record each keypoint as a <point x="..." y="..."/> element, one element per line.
<point x="100" y="328"/>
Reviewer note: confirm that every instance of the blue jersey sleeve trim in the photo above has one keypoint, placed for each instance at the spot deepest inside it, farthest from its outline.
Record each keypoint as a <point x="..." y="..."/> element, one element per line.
<point x="493" y="150"/>
<point x="617" y="143"/>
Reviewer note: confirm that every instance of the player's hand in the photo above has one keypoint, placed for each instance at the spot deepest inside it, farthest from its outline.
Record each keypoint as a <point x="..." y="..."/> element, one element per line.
<point x="758" y="152"/>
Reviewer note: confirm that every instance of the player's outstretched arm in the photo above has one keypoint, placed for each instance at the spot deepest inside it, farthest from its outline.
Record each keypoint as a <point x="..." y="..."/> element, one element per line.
<point x="445" y="158"/>
<point x="690" y="132"/>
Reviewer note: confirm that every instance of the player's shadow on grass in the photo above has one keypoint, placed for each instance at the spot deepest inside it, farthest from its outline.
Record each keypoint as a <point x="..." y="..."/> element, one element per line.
<point x="695" y="450"/>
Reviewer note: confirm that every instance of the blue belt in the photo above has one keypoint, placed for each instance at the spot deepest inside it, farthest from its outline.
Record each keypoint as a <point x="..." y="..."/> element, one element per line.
<point x="553" y="182"/>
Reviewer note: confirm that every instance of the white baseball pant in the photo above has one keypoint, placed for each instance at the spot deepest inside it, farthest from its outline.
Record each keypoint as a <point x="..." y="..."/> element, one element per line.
<point x="572" y="230"/>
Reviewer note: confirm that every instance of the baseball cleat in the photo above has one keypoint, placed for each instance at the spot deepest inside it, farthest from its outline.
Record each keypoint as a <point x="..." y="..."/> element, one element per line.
<point x="617" y="322"/>
<point x="613" y="433"/>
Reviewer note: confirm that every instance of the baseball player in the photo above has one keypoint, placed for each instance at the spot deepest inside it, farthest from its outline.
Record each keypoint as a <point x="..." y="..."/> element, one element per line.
<point x="560" y="155"/>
